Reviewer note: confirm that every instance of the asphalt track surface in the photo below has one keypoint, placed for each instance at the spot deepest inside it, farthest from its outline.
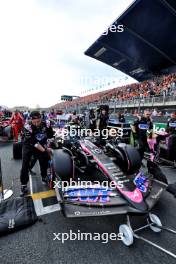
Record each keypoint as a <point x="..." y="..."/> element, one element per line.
<point x="36" y="243"/>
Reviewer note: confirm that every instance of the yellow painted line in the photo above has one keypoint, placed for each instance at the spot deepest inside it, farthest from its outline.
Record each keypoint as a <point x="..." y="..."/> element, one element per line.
<point x="42" y="195"/>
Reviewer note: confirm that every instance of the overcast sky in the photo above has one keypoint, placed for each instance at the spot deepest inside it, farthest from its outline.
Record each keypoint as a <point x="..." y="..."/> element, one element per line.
<point x="42" y="44"/>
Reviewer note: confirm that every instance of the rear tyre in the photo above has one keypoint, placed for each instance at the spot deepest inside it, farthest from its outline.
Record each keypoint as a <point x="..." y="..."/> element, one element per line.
<point x="17" y="150"/>
<point x="131" y="161"/>
<point x="63" y="164"/>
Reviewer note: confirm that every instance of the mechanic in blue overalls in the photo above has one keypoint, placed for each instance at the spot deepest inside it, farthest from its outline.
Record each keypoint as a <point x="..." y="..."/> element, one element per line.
<point x="35" y="135"/>
<point x="141" y="126"/>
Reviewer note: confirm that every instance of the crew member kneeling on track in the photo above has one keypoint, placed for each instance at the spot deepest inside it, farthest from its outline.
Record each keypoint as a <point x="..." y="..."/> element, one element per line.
<point x="35" y="135"/>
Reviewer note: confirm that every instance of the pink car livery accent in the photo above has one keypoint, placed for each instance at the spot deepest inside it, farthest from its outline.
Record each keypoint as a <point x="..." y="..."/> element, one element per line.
<point x="133" y="196"/>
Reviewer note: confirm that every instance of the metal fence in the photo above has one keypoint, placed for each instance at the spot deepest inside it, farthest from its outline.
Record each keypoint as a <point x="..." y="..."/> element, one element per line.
<point x="136" y="102"/>
<point x="131" y="103"/>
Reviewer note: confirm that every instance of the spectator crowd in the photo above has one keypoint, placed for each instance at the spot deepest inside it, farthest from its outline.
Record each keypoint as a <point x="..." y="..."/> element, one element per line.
<point x="160" y="86"/>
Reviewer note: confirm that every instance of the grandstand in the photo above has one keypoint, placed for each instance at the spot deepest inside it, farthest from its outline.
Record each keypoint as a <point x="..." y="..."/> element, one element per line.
<point x="145" y="51"/>
<point x="160" y="91"/>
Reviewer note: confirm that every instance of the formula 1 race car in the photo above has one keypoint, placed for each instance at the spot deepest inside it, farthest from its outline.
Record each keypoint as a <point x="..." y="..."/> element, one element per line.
<point x="122" y="167"/>
<point x="6" y="129"/>
<point x="98" y="181"/>
<point x="133" y="192"/>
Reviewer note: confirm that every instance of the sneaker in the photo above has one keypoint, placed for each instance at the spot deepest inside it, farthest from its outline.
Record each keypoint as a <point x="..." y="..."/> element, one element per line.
<point x="44" y="180"/>
<point x="24" y="190"/>
<point x="32" y="172"/>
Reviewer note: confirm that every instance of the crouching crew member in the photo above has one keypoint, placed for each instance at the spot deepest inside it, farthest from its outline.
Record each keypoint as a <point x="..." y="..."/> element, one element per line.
<point x="140" y="128"/>
<point x="35" y="135"/>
